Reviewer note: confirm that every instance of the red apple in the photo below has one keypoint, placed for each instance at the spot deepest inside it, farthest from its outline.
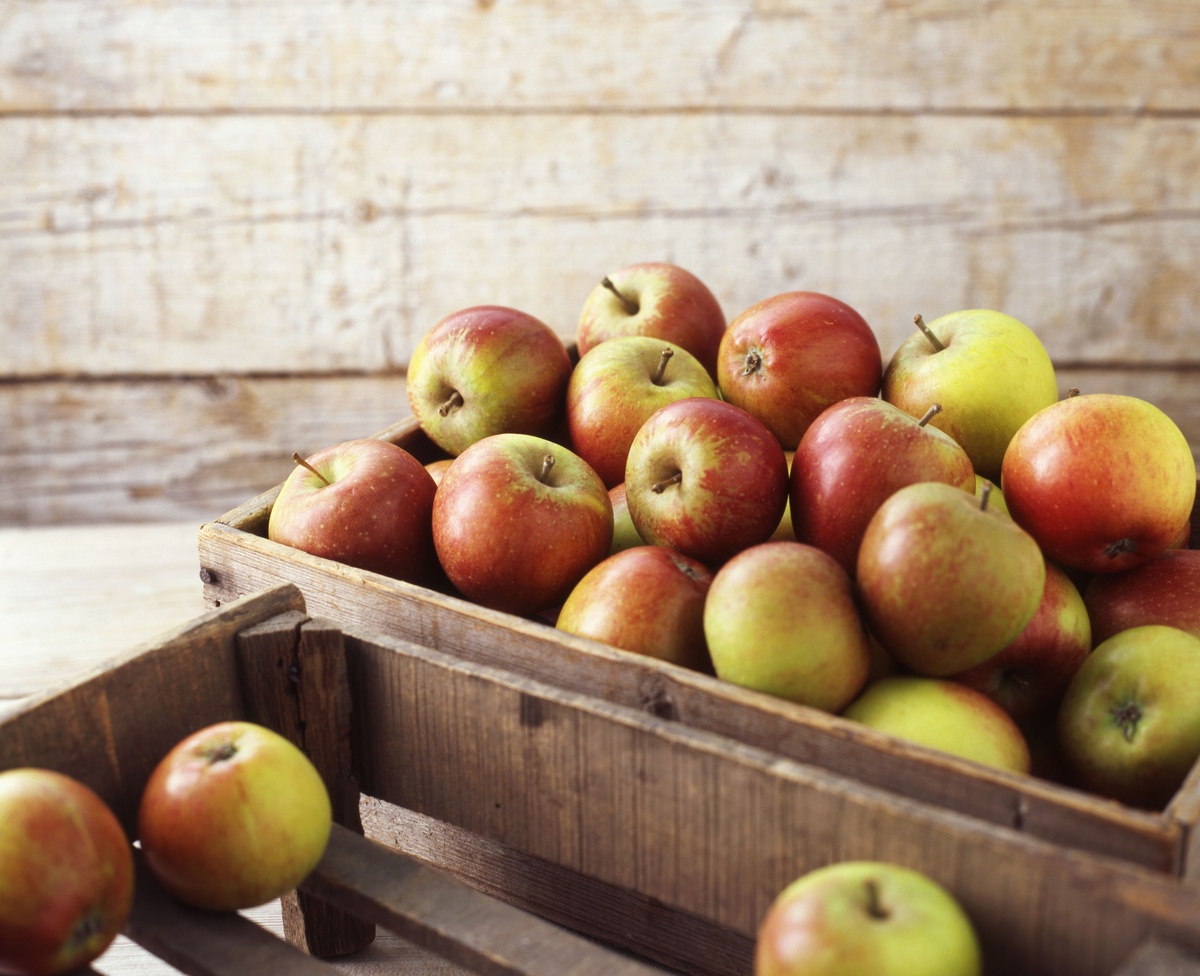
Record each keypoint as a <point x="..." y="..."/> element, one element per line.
<point x="518" y="520"/>
<point x="487" y="370"/>
<point x="706" y="478"/>
<point x="655" y="299"/>
<point x="852" y="458"/>
<point x="438" y="468"/>
<point x="615" y="387"/>
<point x="66" y="873"/>
<point x="649" y="600"/>
<point x="1165" y="590"/>
<point x="233" y="816"/>
<point x="1104" y="482"/>
<point x="366" y="503"/>
<point x="1028" y="677"/>
<point x="788" y="357"/>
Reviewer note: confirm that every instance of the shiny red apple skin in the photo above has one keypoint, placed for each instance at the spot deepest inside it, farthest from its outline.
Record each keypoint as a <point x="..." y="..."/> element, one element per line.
<point x="66" y="873"/>
<point x="1165" y="590"/>
<point x="672" y="304"/>
<point x="788" y="357"/>
<point x="376" y="515"/>
<point x="511" y="540"/>
<point x="1104" y="482"/>
<point x="852" y="458"/>
<point x="648" y="600"/>
<point x="706" y="478"/>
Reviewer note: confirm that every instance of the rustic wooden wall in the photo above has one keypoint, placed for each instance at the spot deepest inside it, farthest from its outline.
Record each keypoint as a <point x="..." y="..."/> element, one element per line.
<point x="225" y="223"/>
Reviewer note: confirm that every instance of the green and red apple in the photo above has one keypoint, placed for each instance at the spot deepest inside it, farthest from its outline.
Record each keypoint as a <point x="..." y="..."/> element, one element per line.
<point x="1165" y="590"/>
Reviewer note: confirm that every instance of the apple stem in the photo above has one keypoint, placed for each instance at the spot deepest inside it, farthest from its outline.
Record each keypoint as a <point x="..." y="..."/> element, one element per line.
<point x="630" y="306"/>
<point x="220" y="752"/>
<point x="874" y="908"/>
<point x="934" y="341"/>
<point x="304" y="464"/>
<point x="663" y="359"/>
<point x="547" y="464"/>
<point x="985" y="491"/>
<point x="453" y="402"/>
<point x="663" y="485"/>
<point x="1072" y="392"/>
<point x="928" y="415"/>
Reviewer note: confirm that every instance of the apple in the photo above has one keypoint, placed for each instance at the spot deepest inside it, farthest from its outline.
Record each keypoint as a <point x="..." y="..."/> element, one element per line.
<point x="784" y="531"/>
<point x="866" y="918"/>
<point x="994" y="494"/>
<point x="852" y="458"/>
<point x="648" y="599"/>
<point x="625" y="533"/>
<point x="657" y="299"/>
<point x="438" y="468"/>
<point x="486" y="370"/>
<point x="945" y="581"/>
<point x="366" y="503"/>
<point x="943" y="715"/>
<point x="1165" y="590"/>
<point x="788" y="357"/>
<point x="233" y="816"/>
<point x="1129" y="725"/>
<point x="66" y="873"/>
<point x="705" y="478"/>
<point x="989" y="371"/>
<point x="1103" y="481"/>
<point x="615" y="387"/>
<point x="781" y="618"/>
<point x="1029" y="676"/>
<point x="518" y="520"/>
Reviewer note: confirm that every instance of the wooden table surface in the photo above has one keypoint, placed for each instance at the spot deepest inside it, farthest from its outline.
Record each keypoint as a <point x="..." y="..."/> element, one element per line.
<point x="70" y="599"/>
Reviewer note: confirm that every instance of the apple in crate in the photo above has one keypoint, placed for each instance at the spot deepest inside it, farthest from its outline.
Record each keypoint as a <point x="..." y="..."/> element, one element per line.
<point x="366" y="503"/>
<point x="989" y="371"/>
<point x="781" y="618"/>
<point x="943" y="715"/>
<point x="1103" y="481"/>
<point x="1129" y="723"/>
<point x="1166" y="590"/>
<point x="625" y="533"/>
<point x="866" y="918"/>
<point x="658" y="299"/>
<point x="66" y="873"/>
<point x="616" y="386"/>
<point x="706" y="478"/>
<point x="518" y="520"/>
<point x="487" y="370"/>
<point x="852" y="458"/>
<point x="233" y="816"/>
<point x="788" y="357"/>
<point x="945" y="581"/>
<point x="648" y="599"/>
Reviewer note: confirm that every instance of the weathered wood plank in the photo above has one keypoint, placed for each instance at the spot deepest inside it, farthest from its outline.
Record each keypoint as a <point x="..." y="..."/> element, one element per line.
<point x="316" y="243"/>
<point x="1118" y="54"/>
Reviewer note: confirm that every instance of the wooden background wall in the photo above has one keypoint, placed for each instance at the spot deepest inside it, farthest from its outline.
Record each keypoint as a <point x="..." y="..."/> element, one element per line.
<point x="225" y="223"/>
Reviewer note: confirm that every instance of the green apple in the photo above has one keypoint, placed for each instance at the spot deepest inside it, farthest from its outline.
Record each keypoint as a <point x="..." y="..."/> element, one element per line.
<point x="989" y="371"/>
<point x="1129" y="723"/>
<point x="946" y="581"/>
<point x="780" y="617"/>
<point x="625" y="533"/>
<point x="866" y="918"/>
<point x="943" y="715"/>
<point x="995" y="497"/>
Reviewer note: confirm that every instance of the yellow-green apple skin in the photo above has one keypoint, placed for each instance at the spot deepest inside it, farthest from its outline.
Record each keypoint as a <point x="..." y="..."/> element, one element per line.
<point x="945" y="582"/>
<point x="484" y="370"/>
<point x="1103" y="481"/>
<point x="992" y="376"/>
<point x="648" y="600"/>
<point x="654" y="298"/>
<point x="852" y="458"/>
<point x="1129" y="723"/>
<point x="1029" y="676"/>
<point x="66" y="873"/>
<point x="784" y="531"/>
<point x="866" y="918"/>
<point x="625" y="533"/>
<point x="943" y="715"/>
<point x="1165" y="590"/>
<point x="233" y="816"/>
<point x="995" y="497"/>
<point x="780" y="618"/>
<point x="616" y="386"/>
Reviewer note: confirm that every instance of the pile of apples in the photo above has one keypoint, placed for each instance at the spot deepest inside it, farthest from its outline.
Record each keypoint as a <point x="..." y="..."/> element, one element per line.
<point x="937" y="546"/>
<point x="233" y="816"/>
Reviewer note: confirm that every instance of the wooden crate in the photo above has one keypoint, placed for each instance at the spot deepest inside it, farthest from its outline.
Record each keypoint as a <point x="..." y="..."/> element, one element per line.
<point x="236" y="558"/>
<point x="624" y="824"/>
